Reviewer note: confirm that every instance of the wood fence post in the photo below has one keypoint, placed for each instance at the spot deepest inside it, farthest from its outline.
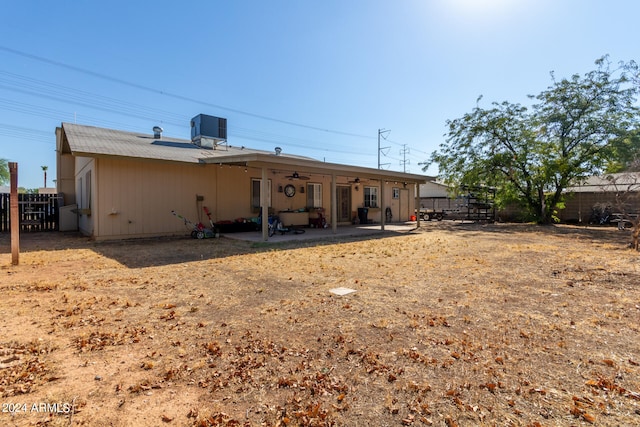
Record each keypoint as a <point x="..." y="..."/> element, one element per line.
<point x="15" y="218"/>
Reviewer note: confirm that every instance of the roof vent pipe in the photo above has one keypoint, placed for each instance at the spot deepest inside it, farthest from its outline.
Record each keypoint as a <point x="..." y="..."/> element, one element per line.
<point x="157" y="132"/>
<point x="278" y="151"/>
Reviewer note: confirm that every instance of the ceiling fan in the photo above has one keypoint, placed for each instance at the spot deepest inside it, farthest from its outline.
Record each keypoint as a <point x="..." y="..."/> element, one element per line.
<point x="355" y="181"/>
<point x="296" y="176"/>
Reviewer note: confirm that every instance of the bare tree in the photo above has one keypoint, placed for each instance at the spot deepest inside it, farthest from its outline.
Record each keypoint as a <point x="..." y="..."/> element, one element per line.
<point x="626" y="187"/>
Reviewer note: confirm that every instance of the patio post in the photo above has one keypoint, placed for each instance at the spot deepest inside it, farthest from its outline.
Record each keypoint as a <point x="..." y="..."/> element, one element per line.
<point x="334" y="204"/>
<point x="264" y="204"/>
<point x="416" y="203"/>
<point x="383" y="214"/>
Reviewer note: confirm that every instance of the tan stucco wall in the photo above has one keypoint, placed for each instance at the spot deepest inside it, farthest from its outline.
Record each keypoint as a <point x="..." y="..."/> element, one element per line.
<point x="281" y="202"/>
<point x="401" y="208"/>
<point x="135" y="198"/>
<point x="65" y="171"/>
<point x="65" y="180"/>
<point x="233" y="194"/>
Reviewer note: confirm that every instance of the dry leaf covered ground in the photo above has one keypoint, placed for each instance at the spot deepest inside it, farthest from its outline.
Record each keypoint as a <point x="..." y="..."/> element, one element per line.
<point x="451" y="325"/>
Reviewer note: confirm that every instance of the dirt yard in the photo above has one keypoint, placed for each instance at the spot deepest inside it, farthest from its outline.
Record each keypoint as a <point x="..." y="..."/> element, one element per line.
<point x="450" y="325"/>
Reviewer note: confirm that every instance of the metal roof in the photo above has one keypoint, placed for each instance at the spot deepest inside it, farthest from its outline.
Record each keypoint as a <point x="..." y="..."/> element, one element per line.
<point x="614" y="182"/>
<point x="92" y="141"/>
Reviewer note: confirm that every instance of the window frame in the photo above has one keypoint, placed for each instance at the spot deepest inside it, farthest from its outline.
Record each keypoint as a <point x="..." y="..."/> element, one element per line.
<point x="371" y="197"/>
<point x="87" y="190"/>
<point x="314" y="195"/>
<point x="253" y="196"/>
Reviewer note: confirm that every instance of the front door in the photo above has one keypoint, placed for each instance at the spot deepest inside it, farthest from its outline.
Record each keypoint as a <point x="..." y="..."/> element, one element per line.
<point x="343" y="197"/>
<point x="404" y="205"/>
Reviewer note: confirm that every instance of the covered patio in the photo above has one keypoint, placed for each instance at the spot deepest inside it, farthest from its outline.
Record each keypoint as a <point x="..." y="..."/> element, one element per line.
<point x="339" y="177"/>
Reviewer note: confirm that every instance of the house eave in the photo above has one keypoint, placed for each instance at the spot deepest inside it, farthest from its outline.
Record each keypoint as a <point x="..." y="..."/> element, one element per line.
<point x="312" y="166"/>
<point x="136" y="158"/>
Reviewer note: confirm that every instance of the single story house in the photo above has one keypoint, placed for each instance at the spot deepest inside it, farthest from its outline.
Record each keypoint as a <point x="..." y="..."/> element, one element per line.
<point x="125" y="184"/>
<point x="620" y="192"/>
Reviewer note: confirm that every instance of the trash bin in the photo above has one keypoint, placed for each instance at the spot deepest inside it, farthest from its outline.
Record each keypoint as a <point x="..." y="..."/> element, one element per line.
<point x="362" y="215"/>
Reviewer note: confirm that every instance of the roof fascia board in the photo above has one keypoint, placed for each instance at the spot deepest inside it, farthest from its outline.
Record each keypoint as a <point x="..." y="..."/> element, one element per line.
<point x="143" y="159"/>
<point x="312" y="166"/>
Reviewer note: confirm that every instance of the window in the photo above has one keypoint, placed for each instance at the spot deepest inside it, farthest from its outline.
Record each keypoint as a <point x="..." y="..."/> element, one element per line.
<point x="370" y="197"/>
<point x="314" y="195"/>
<point x="87" y="197"/>
<point x="396" y="192"/>
<point x="79" y="193"/>
<point x="255" y="194"/>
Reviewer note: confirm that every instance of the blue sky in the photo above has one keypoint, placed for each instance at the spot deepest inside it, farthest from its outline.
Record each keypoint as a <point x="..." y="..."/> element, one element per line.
<point x="317" y="78"/>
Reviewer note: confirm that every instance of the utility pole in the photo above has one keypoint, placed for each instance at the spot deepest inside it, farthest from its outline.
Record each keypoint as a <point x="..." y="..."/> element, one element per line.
<point x="404" y="162"/>
<point x="381" y="133"/>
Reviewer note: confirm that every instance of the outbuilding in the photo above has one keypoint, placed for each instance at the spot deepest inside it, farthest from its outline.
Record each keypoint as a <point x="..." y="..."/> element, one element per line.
<point x="609" y="195"/>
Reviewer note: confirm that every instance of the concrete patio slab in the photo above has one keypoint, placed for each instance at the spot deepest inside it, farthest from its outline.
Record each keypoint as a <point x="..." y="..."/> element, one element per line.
<point x="327" y="233"/>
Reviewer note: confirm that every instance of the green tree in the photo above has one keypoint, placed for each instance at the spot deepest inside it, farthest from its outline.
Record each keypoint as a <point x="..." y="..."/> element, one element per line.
<point x="625" y="154"/>
<point x="532" y="154"/>
<point x="4" y="171"/>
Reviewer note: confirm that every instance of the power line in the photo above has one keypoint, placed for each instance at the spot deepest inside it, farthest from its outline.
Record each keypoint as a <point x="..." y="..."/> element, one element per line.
<point x="40" y="88"/>
<point x="25" y="133"/>
<point x="242" y="133"/>
<point x="173" y="95"/>
<point x="57" y="92"/>
<point x="43" y="89"/>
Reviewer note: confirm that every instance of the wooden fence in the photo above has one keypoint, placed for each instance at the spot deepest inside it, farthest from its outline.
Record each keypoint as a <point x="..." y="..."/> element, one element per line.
<point x="37" y="212"/>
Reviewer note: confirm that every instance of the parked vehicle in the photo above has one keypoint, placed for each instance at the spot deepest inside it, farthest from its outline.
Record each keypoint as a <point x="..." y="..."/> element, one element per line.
<point x="430" y="214"/>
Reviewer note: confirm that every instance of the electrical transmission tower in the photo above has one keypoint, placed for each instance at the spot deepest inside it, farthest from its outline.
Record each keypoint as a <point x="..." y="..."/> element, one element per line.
<point x="404" y="162"/>
<point x="382" y="133"/>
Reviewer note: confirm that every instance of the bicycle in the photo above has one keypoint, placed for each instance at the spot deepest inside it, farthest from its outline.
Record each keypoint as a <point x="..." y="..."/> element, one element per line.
<point x="280" y="228"/>
<point x="273" y="222"/>
<point x="276" y="226"/>
<point x="600" y="214"/>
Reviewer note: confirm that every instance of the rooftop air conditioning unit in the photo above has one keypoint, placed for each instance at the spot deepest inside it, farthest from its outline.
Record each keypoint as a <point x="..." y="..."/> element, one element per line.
<point x="208" y="131"/>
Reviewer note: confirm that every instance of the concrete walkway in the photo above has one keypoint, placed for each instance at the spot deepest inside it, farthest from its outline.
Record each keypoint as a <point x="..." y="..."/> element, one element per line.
<point x="327" y="233"/>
